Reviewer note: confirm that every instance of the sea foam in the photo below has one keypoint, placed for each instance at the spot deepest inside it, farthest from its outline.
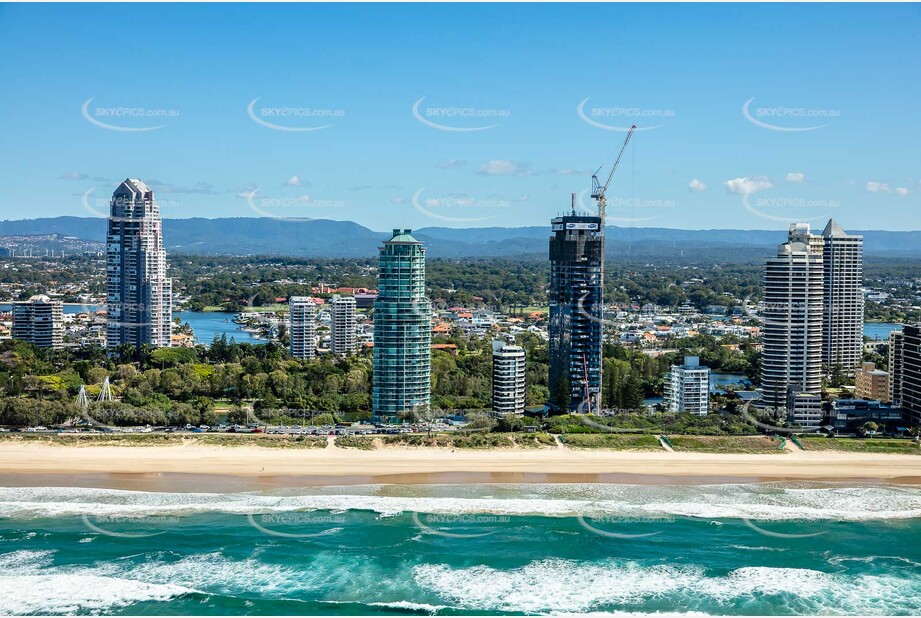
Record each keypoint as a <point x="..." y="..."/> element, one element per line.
<point x="757" y="502"/>
<point x="560" y="586"/>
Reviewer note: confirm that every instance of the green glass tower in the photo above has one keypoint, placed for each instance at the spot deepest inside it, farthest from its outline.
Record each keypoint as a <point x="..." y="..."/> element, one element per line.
<point x="402" y="328"/>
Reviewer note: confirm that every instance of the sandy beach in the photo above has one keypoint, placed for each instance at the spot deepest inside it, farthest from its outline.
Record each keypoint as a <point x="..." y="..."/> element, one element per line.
<point x="23" y="464"/>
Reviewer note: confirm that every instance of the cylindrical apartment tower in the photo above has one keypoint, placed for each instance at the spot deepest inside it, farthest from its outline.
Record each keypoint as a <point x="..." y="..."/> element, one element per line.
<point x="402" y="328"/>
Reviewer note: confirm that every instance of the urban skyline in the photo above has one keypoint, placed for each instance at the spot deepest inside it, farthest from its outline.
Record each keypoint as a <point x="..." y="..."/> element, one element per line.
<point x="460" y="308"/>
<point x="813" y="317"/>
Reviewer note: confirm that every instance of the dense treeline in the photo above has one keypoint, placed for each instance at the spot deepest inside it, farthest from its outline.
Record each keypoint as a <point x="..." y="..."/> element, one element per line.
<point x="182" y="385"/>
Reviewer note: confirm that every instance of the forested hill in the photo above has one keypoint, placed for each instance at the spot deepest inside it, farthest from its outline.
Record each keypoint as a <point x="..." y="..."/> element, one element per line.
<point x="325" y="238"/>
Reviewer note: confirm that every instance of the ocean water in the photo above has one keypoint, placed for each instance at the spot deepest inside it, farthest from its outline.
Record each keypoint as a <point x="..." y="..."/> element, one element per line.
<point x="763" y="549"/>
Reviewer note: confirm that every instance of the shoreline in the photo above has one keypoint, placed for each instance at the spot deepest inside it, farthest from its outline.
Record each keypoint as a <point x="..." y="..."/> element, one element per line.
<point x="246" y="468"/>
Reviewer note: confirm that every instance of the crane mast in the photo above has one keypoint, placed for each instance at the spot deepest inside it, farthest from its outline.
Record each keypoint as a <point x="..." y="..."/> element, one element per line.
<point x="599" y="191"/>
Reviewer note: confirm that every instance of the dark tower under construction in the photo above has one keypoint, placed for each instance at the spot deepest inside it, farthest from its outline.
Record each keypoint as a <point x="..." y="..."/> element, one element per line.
<point x="576" y="273"/>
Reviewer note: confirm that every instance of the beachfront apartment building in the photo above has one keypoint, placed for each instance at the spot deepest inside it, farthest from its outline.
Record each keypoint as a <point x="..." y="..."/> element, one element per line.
<point x="40" y="321"/>
<point x="508" y="378"/>
<point x="302" y="327"/>
<point x="139" y="295"/>
<point x="687" y="388"/>
<point x="805" y="410"/>
<point x="343" y="339"/>
<point x="911" y="373"/>
<point x="792" y="315"/>
<point x="402" y="360"/>
<point x="896" y="342"/>
<point x="871" y="383"/>
<point x="842" y="322"/>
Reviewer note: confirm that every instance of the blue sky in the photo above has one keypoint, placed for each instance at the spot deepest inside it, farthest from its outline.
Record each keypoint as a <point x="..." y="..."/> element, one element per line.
<point x="512" y="77"/>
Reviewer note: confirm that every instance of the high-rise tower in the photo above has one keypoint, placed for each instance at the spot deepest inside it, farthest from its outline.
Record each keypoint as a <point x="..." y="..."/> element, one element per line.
<point x="793" y="305"/>
<point x="576" y="272"/>
<point x="402" y="328"/>
<point x="138" y="292"/>
<point x="302" y="327"/>
<point x="342" y="326"/>
<point x="896" y="371"/>
<point x="910" y="371"/>
<point x="842" y="334"/>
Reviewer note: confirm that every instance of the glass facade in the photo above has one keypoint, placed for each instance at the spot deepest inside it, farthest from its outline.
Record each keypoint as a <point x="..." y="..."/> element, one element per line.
<point x="402" y="328"/>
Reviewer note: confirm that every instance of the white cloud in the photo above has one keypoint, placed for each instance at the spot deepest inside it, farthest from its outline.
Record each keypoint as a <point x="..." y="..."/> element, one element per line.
<point x="451" y="164"/>
<point x="901" y="191"/>
<point x="73" y="176"/>
<point x="570" y="172"/>
<point x="499" y="167"/>
<point x="877" y="187"/>
<point x="398" y="200"/>
<point x="696" y="185"/>
<point x="796" y="177"/>
<point x="747" y="186"/>
<point x="294" y="181"/>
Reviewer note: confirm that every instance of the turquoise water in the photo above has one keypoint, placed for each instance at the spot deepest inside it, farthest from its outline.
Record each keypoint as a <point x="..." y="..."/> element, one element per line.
<point x="763" y="549"/>
<point x="879" y="331"/>
<point x="208" y="324"/>
<point x="205" y="324"/>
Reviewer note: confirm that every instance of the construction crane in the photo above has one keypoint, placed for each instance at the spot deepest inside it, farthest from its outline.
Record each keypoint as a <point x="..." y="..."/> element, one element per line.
<point x="599" y="191"/>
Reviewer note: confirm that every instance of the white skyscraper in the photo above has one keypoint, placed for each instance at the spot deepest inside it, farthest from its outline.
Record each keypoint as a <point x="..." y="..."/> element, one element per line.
<point x="842" y="340"/>
<point x="302" y="326"/>
<point x="342" y="327"/>
<point x="508" y="378"/>
<point x="793" y="306"/>
<point x="39" y="321"/>
<point x="138" y="292"/>
<point x="687" y="387"/>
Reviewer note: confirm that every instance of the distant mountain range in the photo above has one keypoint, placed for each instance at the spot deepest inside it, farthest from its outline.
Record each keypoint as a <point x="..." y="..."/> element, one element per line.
<point x="325" y="238"/>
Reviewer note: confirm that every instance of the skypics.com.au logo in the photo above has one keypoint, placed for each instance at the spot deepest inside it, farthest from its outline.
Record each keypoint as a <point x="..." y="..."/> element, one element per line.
<point x="458" y="119"/>
<point x="439" y="207"/>
<point x="126" y="119"/>
<point x="788" y="119"/>
<point x="292" y="119"/>
<point x="624" y="117"/>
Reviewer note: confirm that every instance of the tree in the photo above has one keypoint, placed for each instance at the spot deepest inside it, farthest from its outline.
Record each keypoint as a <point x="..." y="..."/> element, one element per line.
<point x="510" y="422"/>
<point x="560" y="398"/>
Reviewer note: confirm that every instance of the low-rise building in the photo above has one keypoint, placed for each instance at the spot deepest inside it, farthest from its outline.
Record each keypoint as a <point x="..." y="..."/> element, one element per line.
<point x="849" y="415"/>
<point x="805" y="410"/>
<point x="871" y="383"/>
